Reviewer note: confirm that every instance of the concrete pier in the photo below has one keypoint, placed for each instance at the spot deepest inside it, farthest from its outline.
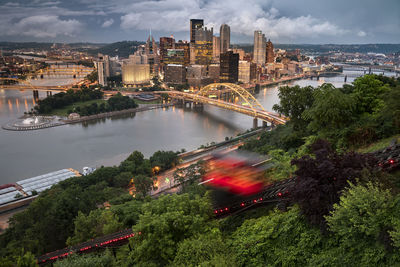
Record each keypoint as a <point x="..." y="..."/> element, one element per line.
<point x="255" y="123"/>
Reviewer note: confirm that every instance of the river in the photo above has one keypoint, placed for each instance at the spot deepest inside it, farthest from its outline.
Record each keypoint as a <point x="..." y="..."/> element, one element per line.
<point x="109" y="141"/>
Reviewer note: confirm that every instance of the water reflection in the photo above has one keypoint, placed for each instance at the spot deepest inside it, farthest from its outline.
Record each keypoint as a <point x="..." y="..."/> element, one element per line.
<point x="108" y="141"/>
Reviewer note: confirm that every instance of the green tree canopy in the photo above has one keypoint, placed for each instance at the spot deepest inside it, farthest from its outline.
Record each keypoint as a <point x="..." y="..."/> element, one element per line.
<point x="97" y="223"/>
<point x="331" y="111"/>
<point x="279" y="239"/>
<point x="164" y="223"/>
<point x="293" y="102"/>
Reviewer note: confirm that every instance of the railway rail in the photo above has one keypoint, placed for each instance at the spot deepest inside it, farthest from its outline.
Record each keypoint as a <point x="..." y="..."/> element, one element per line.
<point x="387" y="159"/>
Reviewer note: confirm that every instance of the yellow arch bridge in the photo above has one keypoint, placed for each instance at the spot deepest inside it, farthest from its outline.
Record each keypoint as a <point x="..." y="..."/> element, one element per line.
<point x="216" y="94"/>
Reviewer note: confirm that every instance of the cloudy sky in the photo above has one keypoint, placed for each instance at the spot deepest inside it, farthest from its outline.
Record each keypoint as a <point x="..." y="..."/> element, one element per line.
<point x="283" y="21"/>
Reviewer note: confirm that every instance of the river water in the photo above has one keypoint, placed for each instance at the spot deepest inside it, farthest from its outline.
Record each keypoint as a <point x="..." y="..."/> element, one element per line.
<point x="109" y="141"/>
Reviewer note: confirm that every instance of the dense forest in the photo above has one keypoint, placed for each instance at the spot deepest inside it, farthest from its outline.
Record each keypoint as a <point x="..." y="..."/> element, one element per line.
<point x="343" y="210"/>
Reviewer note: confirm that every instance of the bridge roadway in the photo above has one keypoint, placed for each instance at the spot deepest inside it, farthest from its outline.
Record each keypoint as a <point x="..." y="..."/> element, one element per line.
<point x="253" y="112"/>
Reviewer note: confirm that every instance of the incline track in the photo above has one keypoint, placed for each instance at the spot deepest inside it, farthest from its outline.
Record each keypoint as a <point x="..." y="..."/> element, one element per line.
<point x="387" y="159"/>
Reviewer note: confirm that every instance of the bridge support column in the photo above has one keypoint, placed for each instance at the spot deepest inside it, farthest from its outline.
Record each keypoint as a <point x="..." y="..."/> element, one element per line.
<point x="36" y="95"/>
<point x="264" y="124"/>
<point x="255" y="123"/>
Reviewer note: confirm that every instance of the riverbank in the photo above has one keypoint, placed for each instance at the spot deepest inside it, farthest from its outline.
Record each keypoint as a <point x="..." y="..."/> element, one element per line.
<point x="16" y="126"/>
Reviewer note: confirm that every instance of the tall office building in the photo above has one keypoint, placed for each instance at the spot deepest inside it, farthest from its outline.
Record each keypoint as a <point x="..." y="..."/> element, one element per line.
<point x="247" y="71"/>
<point x="175" y="56"/>
<point x="186" y="48"/>
<point x="216" y="48"/>
<point x="195" y="24"/>
<point x="270" y="57"/>
<point x="165" y="44"/>
<point x="102" y="65"/>
<point x="259" y="48"/>
<point x="229" y="67"/>
<point x="203" y="46"/>
<point x="152" y="55"/>
<point x="225" y="35"/>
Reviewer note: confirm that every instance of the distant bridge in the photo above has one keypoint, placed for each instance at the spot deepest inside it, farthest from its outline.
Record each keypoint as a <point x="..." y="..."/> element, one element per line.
<point x="26" y="84"/>
<point x="213" y="95"/>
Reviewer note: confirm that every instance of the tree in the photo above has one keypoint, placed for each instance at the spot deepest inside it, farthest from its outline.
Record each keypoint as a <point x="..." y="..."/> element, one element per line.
<point x="279" y="239"/>
<point x="164" y="159"/>
<point x="102" y="260"/>
<point x="27" y="260"/>
<point x="360" y="223"/>
<point x="331" y="111"/>
<point x="164" y="223"/>
<point x="293" y="102"/>
<point x="282" y="168"/>
<point x="205" y="250"/>
<point x="320" y="179"/>
<point x="367" y="92"/>
<point x="189" y="178"/>
<point x="92" y="77"/>
<point x="97" y="223"/>
<point x="143" y="184"/>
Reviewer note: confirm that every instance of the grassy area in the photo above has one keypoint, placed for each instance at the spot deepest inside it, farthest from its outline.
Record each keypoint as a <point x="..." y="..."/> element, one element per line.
<point x="379" y="145"/>
<point x="64" y="111"/>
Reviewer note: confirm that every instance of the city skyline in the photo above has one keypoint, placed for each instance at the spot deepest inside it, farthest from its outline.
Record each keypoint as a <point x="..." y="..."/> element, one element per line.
<point x="282" y="21"/>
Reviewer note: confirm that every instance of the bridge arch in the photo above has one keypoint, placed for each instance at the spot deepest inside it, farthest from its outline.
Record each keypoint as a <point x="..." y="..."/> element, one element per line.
<point x="243" y="93"/>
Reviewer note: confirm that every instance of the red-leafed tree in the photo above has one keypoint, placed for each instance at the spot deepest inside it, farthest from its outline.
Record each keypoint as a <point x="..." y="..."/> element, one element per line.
<point x="320" y="179"/>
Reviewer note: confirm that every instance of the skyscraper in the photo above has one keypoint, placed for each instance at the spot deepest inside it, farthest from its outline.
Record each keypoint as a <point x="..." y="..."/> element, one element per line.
<point x="216" y="48"/>
<point x="152" y="55"/>
<point x="186" y="48"/>
<point x="103" y="68"/>
<point x="165" y="44"/>
<point x="229" y="67"/>
<point x="225" y="35"/>
<point x="195" y="24"/>
<point x="269" y="57"/>
<point x="259" y="48"/>
<point x="203" y="46"/>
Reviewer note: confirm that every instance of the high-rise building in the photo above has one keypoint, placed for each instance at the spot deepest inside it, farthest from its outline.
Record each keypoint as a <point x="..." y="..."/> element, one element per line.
<point x="153" y="59"/>
<point x="175" y="74"/>
<point x="247" y="71"/>
<point x="195" y="24"/>
<point x="225" y="35"/>
<point x="203" y="46"/>
<point x="175" y="56"/>
<point x="213" y="72"/>
<point x="186" y="48"/>
<point x="216" y="48"/>
<point x="103" y="67"/>
<point x="165" y="44"/>
<point x="269" y="57"/>
<point x="259" y="48"/>
<point x="240" y="52"/>
<point x="229" y="67"/>
<point x="197" y="76"/>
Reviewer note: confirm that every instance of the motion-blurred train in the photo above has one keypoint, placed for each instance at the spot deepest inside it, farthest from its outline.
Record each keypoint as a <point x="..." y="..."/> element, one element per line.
<point x="236" y="173"/>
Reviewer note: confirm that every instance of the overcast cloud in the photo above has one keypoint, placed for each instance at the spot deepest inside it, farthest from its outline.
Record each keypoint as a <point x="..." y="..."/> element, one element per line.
<point x="284" y="21"/>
